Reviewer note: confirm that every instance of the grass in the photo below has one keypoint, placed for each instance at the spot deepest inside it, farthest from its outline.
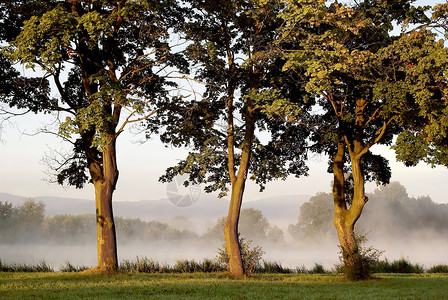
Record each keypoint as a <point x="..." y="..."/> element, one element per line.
<point x="57" y="285"/>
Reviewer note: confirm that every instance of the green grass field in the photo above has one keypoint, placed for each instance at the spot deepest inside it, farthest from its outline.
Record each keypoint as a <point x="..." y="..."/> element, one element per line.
<point x="219" y="286"/>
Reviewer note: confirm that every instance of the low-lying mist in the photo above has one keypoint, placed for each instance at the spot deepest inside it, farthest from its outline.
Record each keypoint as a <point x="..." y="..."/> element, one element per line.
<point x="402" y="227"/>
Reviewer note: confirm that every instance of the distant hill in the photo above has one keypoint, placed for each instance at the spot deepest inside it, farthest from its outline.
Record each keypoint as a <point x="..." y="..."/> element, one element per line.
<point x="278" y="210"/>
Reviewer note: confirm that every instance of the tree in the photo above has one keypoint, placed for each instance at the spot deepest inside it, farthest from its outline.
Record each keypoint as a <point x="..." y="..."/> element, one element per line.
<point x="315" y="219"/>
<point x="21" y="223"/>
<point x="231" y="52"/>
<point x="425" y="137"/>
<point x="253" y="225"/>
<point x="344" y="54"/>
<point x="112" y="54"/>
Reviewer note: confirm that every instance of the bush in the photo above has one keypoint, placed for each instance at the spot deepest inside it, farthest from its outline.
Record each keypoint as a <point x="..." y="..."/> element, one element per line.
<point x="250" y="256"/>
<point x="368" y="257"/>
<point x="40" y="267"/>
<point x="68" y="267"/>
<point x="438" y="269"/>
<point x="148" y="265"/>
<point x="272" y="267"/>
<point x="317" y="269"/>
<point x="190" y="266"/>
<point x="144" y="265"/>
<point x="397" y="266"/>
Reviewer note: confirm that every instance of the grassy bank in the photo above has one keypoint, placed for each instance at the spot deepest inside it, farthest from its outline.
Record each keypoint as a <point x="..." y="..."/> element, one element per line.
<point x="219" y="286"/>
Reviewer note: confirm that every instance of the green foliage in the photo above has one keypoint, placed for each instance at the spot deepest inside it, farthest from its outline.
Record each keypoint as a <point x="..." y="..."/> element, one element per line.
<point x="317" y="269"/>
<point x="426" y="57"/>
<point x="315" y="221"/>
<point x="68" y="267"/>
<point x="143" y="265"/>
<point x="147" y="265"/>
<point x="272" y="268"/>
<point x="235" y="58"/>
<point x="23" y="222"/>
<point x="397" y="266"/>
<point x="112" y="53"/>
<point x="438" y="269"/>
<point x="190" y="266"/>
<point x="42" y="266"/>
<point x="250" y="256"/>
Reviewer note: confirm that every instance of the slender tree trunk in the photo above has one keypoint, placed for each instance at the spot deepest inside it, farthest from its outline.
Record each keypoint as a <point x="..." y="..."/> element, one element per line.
<point x="238" y="182"/>
<point x="231" y="229"/>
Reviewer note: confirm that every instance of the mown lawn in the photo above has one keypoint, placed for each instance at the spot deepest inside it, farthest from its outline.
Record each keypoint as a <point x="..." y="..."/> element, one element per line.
<point x="218" y="286"/>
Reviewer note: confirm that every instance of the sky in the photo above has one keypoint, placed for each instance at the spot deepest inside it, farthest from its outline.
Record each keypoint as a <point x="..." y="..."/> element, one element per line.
<point x="23" y="173"/>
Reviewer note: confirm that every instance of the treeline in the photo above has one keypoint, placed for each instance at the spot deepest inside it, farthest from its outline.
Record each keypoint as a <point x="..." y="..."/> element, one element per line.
<point x="392" y="213"/>
<point x="27" y="223"/>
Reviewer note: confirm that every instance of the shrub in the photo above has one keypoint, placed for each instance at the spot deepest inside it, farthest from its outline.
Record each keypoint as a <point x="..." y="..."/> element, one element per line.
<point x="42" y="266"/>
<point x="438" y="269"/>
<point x="302" y="269"/>
<point x="147" y="265"/>
<point x="272" y="267"/>
<point x="250" y="256"/>
<point x="368" y="257"/>
<point x="144" y="265"/>
<point x="317" y="269"/>
<point x="68" y="267"/>
<point x="397" y="266"/>
<point x="190" y="266"/>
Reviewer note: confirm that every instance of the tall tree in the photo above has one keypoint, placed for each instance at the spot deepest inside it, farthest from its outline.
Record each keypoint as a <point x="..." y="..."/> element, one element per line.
<point x="344" y="54"/>
<point x="105" y="59"/>
<point x="231" y="52"/>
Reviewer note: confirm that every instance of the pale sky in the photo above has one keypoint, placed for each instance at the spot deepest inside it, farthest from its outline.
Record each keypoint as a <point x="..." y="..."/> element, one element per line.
<point x="22" y="172"/>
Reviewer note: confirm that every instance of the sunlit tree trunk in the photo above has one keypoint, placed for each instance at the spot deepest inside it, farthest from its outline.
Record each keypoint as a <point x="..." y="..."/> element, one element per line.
<point x="345" y="218"/>
<point x="105" y="177"/>
<point x="238" y="183"/>
<point x="235" y="266"/>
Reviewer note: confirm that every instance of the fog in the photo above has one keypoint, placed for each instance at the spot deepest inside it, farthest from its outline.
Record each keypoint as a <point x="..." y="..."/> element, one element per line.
<point x="164" y="252"/>
<point x="428" y="252"/>
<point x="403" y="227"/>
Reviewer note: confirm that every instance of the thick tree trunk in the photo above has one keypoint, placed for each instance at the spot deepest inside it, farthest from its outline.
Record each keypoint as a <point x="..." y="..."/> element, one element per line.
<point x="106" y="236"/>
<point x="105" y="177"/>
<point x="345" y="219"/>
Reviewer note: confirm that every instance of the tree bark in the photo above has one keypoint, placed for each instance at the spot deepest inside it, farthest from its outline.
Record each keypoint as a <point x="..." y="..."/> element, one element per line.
<point x="345" y="218"/>
<point x="236" y="267"/>
<point x="106" y="237"/>
<point x="105" y="177"/>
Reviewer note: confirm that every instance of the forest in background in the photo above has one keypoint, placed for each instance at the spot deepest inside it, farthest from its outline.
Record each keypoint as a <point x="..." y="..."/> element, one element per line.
<point x="393" y="217"/>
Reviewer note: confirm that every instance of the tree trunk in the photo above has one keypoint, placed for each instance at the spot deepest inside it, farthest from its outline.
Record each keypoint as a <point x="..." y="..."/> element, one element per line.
<point x="231" y="229"/>
<point x="106" y="236"/>
<point x="105" y="177"/>
<point x="238" y="182"/>
<point x="345" y="219"/>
